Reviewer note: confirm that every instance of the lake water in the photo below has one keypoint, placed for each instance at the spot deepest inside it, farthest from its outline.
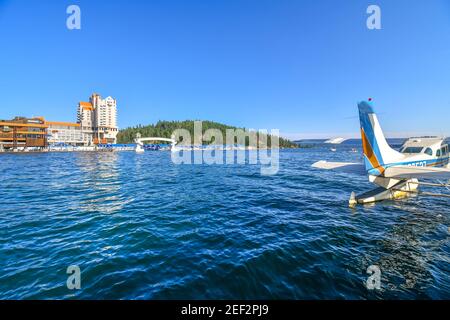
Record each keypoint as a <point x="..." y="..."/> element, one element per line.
<point x="141" y="227"/>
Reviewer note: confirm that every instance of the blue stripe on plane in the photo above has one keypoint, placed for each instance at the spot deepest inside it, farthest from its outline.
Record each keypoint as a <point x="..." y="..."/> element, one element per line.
<point x="441" y="162"/>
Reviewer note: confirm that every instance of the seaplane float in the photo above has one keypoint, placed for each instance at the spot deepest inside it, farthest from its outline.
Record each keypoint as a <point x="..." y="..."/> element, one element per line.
<point x="396" y="173"/>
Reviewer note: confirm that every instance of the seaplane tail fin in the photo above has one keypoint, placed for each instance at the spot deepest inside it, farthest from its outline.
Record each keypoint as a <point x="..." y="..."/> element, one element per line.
<point x="377" y="152"/>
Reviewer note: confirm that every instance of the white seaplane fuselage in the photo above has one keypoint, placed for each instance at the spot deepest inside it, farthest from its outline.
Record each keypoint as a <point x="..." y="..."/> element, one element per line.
<point x="422" y="152"/>
<point x="425" y="152"/>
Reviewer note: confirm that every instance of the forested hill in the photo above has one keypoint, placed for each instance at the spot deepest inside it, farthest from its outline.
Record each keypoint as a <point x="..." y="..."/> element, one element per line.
<point x="164" y="129"/>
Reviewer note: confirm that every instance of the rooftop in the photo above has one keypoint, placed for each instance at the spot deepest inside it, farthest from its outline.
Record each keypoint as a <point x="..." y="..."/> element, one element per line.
<point x="59" y="123"/>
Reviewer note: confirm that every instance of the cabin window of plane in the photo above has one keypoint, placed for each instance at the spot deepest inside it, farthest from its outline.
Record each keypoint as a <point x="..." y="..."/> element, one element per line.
<point x="429" y="152"/>
<point x="438" y="153"/>
<point x="412" y="150"/>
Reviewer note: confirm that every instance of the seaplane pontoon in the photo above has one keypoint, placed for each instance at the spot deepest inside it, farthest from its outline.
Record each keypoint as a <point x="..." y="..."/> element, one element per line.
<point x="396" y="173"/>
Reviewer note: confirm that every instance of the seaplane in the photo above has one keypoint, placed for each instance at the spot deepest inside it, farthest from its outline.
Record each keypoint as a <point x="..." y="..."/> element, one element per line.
<point x="396" y="173"/>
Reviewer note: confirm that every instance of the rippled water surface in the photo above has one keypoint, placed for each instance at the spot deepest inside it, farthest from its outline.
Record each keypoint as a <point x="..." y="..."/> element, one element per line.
<point x="141" y="227"/>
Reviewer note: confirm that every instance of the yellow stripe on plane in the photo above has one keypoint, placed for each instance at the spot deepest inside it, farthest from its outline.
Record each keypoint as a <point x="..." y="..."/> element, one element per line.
<point x="368" y="152"/>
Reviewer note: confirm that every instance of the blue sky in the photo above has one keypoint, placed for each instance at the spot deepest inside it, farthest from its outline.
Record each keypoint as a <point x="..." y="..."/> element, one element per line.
<point x="298" y="66"/>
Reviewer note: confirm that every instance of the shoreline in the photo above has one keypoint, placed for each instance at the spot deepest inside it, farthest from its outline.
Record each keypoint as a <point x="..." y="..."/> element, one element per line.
<point x="132" y="149"/>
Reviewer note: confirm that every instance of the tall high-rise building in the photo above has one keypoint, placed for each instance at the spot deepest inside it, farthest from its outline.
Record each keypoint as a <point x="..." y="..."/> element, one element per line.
<point x="98" y="118"/>
<point x="85" y="117"/>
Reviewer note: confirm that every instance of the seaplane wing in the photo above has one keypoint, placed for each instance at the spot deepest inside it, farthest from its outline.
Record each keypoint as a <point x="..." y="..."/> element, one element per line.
<point x="411" y="172"/>
<point x="347" y="167"/>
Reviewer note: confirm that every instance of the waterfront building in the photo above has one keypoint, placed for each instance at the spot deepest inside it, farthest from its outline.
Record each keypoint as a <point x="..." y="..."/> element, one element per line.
<point x="98" y="119"/>
<point x="85" y="114"/>
<point x="20" y="133"/>
<point x="96" y="124"/>
<point x="85" y="117"/>
<point x="67" y="133"/>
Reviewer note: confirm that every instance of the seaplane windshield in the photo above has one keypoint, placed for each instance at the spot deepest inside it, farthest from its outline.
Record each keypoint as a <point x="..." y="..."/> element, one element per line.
<point x="412" y="150"/>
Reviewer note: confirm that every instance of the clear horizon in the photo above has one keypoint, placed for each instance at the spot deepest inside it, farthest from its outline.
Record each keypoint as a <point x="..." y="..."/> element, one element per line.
<point x="296" y="66"/>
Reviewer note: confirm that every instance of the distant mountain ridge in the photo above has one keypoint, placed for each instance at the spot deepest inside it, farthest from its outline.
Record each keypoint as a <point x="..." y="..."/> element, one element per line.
<point x="391" y="141"/>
